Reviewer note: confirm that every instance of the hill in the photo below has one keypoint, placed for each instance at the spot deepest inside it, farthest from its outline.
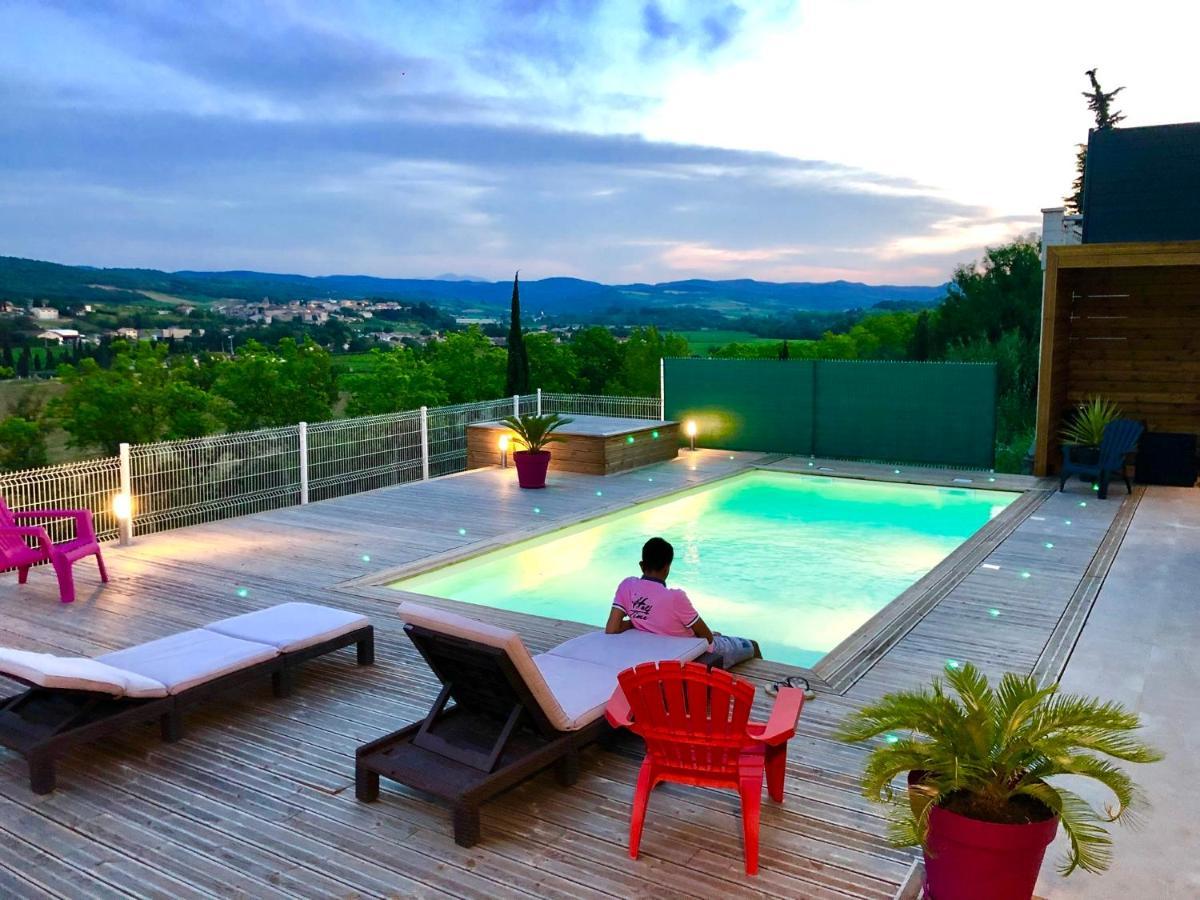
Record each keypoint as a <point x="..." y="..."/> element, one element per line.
<point x="23" y="280"/>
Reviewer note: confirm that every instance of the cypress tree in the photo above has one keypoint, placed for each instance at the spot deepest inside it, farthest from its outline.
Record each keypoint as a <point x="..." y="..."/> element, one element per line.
<point x="23" y="363"/>
<point x="517" y="378"/>
<point x="1100" y="103"/>
<point x="784" y="353"/>
<point x="6" y="357"/>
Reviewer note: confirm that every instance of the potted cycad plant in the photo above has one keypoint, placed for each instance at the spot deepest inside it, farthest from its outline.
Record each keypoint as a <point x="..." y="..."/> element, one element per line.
<point x="534" y="432"/>
<point x="978" y="762"/>
<point x="1085" y="431"/>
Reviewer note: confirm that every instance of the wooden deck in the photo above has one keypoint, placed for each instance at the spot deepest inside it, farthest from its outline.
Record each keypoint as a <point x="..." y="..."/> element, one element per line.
<point x="258" y="799"/>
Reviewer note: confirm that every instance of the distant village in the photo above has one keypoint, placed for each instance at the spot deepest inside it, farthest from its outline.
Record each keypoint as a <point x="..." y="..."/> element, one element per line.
<point x="388" y="315"/>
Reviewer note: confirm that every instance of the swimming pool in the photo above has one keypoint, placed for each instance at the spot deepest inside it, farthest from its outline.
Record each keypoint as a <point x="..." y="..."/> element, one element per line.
<point x="797" y="562"/>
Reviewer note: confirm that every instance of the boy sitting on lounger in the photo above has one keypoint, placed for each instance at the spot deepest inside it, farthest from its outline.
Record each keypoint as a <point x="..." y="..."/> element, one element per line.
<point x="647" y="604"/>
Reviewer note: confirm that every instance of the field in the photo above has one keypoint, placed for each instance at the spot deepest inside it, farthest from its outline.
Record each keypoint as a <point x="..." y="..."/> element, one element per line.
<point x="700" y="342"/>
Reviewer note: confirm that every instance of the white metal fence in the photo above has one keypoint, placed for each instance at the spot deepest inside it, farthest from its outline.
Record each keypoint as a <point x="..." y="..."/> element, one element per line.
<point x="176" y="483"/>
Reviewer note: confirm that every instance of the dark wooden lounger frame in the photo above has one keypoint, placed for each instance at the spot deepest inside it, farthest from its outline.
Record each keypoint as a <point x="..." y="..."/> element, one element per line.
<point x="44" y="723"/>
<point x="494" y="736"/>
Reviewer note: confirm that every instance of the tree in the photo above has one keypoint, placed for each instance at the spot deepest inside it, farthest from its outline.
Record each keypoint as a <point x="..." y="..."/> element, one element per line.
<point x="139" y="399"/>
<point x="552" y="366"/>
<point x="24" y="362"/>
<point x="468" y="365"/>
<point x="1100" y="103"/>
<point x="22" y="444"/>
<point x="517" y="378"/>
<point x="640" y="355"/>
<point x="1001" y="292"/>
<point x="282" y="386"/>
<point x="599" y="356"/>
<point x="23" y="435"/>
<point x="920" y="347"/>
<point x="396" y="380"/>
<point x="784" y="352"/>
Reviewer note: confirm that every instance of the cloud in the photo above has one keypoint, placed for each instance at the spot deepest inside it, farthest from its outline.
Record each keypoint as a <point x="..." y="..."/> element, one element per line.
<point x="398" y="139"/>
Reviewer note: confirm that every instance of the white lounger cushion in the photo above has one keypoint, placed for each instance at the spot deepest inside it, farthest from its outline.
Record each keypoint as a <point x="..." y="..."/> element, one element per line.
<point x="581" y="689"/>
<point x="189" y="658"/>
<point x="445" y="622"/>
<point x="77" y="673"/>
<point x="617" y="652"/>
<point x="290" y="626"/>
<point x="572" y="682"/>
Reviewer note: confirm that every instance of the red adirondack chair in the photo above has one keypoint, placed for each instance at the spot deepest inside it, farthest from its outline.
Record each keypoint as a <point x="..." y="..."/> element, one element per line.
<point x="696" y="725"/>
<point x="16" y="554"/>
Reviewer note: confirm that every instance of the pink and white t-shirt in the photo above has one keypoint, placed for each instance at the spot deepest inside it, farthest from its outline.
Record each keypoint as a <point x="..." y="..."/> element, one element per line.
<point x="654" y="607"/>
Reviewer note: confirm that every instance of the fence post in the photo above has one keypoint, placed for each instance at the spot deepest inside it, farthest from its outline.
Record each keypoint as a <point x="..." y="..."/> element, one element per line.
<point x="517" y="405"/>
<point x="662" y="390"/>
<point x="539" y="402"/>
<point x="125" y="505"/>
<point x="424" y="443"/>
<point x="302" y="431"/>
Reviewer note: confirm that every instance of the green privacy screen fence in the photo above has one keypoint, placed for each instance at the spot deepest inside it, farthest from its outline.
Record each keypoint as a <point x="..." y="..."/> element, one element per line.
<point x="913" y="412"/>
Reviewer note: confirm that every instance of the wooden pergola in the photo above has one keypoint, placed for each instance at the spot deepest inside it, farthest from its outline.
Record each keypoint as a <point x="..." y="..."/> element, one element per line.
<point x="1121" y="321"/>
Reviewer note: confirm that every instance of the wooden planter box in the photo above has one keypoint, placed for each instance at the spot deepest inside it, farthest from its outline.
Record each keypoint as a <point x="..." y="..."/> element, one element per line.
<point x="595" y="445"/>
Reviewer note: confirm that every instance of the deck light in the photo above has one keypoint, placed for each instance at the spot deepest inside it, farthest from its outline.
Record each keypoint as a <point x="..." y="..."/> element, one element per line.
<point x="1066" y="521"/>
<point x="1024" y="574"/>
<point x="122" y="506"/>
<point x="992" y="480"/>
<point x="462" y="532"/>
<point x="629" y="439"/>
<point x="654" y="434"/>
<point x="895" y="471"/>
<point x="891" y="738"/>
<point x="366" y="557"/>
<point x="651" y="478"/>
<point x="1095" y="487"/>
<point x="1083" y="503"/>
<point x="537" y="510"/>
<point x="690" y="428"/>
<point x="599" y="493"/>
<point x="994" y="613"/>
<point x="504" y="451"/>
<point x="953" y="664"/>
<point x="1049" y="546"/>
<point x="243" y="592"/>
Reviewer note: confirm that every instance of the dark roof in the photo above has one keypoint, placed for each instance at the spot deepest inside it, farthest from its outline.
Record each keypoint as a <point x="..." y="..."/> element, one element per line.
<point x="1142" y="184"/>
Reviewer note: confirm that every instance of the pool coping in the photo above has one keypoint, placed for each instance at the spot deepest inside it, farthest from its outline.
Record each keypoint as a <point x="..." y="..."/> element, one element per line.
<point x="839" y="669"/>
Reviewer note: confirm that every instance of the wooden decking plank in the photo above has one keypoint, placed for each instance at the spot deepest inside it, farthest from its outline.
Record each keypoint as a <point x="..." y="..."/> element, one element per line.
<point x="259" y="792"/>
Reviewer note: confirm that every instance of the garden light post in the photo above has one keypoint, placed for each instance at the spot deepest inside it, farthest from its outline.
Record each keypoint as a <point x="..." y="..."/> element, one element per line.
<point x="691" y="433"/>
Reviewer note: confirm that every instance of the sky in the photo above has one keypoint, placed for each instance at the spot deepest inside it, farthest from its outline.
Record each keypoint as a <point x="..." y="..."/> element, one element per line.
<point x="867" y="140"/>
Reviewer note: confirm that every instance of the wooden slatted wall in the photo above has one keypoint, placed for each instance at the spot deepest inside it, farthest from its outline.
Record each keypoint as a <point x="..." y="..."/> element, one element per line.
<point x="1125" y="331"/>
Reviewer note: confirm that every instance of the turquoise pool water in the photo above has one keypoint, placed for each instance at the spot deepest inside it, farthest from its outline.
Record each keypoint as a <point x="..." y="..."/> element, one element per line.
<point x="797" y="562"/>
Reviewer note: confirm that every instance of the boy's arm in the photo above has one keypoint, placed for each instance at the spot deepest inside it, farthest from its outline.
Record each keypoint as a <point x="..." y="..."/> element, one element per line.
<point x="617" y="621"/>
<point x="700" y="630"/>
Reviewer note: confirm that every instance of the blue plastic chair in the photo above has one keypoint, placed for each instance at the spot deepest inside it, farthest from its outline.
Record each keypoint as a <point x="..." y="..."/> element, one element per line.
<point x="1120" y="438"/>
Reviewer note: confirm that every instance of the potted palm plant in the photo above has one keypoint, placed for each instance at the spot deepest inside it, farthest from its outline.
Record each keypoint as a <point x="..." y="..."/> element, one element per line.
<point x="535" y="432"/>
<point x="1085" y="431"/>
<point x="979" y="762"/>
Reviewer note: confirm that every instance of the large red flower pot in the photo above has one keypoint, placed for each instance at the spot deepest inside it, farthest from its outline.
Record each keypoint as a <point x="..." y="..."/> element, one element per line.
<point x="966" y="859"/>
<point x="531" y="467"/>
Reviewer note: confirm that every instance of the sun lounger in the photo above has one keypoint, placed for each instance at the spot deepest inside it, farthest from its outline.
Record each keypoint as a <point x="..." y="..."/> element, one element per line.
<point x="513" y="714"/>
<point x="75" y="700"/>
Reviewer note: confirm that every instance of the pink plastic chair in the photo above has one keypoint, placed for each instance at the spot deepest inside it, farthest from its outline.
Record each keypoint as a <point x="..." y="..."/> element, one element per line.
<point x="16" y="554"/>
<point x="697" y="729"/>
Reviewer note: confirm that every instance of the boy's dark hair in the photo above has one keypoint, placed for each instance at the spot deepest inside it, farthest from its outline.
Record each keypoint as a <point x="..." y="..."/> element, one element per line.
<point x="657" y="554"/>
